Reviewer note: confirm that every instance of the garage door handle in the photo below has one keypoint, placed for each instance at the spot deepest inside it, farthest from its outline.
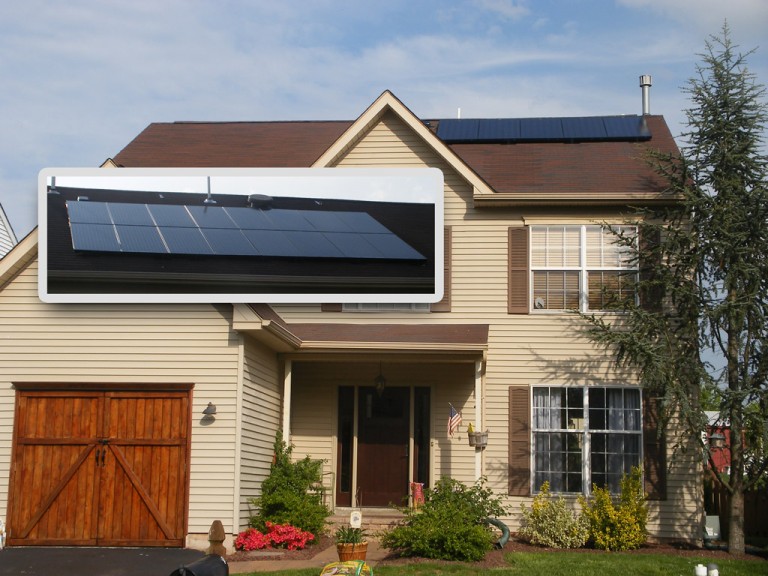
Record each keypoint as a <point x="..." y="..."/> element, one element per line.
<point x="103" y="455"/>
<point x="97" y="456"/>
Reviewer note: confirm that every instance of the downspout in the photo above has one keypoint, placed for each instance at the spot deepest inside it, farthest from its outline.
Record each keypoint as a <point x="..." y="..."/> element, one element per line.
<point x="238" y="432"/>
<point x="287" y="384"/>
<point x="479" y="415"/>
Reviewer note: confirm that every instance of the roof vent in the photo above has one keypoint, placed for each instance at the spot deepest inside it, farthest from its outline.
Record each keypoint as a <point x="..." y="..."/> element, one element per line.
<point x="645" y="84"/>
<point x="260" y="201"/>
<point x="82" y="198"/>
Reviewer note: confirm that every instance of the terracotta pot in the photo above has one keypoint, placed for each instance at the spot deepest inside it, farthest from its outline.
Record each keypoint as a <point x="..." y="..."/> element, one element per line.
<point x="352" y="551"/>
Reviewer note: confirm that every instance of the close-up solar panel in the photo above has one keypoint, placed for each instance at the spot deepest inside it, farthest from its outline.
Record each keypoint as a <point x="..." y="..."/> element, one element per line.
<point x="231" y="231"/>
<point x="568" y="129"/>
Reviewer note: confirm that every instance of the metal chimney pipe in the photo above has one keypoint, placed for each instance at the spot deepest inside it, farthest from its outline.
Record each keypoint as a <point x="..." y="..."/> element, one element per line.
<point x="645" y="84"/>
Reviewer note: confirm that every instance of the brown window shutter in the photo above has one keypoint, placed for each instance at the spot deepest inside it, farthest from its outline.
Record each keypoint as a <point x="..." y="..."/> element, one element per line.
<point x="650" y="295"/>
<point x="518" y="274"/>
<point x="445" y="304"/>
<point x="335" y="307"/>
<point x="654" y="449"/>
<point x="519" y="442"/>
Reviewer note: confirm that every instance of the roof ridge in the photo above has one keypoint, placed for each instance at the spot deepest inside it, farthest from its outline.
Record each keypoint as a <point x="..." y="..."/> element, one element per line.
<point x="256" y="122"/>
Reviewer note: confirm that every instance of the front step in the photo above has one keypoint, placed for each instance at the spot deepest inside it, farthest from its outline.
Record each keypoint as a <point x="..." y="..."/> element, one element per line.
<point x="374" y="519"/>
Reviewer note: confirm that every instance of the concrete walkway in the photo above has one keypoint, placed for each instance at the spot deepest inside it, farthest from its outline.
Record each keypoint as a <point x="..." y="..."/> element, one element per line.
<point x="375" y="553"/>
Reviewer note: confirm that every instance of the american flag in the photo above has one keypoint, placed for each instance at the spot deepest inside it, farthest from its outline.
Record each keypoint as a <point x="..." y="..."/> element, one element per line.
<point x="454" y="419"/>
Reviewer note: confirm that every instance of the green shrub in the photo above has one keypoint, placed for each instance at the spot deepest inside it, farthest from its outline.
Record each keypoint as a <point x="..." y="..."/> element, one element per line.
<point x="450" y="525"/>
<point x="286" y="494"/>
<point x="549" y="522"/>
<point x="617" y="525"/>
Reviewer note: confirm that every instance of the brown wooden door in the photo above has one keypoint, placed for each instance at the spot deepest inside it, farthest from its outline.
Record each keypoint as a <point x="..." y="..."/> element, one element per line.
<point x="382" y="446"/>
<point x="100" y="468"/>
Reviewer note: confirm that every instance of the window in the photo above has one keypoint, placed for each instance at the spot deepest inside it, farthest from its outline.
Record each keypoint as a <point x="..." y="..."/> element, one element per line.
<point x="585" y="436"/>
<point x="582" y="267"/>
<point x="387" y="307"/>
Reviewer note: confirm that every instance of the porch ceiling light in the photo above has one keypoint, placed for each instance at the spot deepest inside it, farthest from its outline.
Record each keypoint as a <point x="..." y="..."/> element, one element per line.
<point x="380" y="382"/>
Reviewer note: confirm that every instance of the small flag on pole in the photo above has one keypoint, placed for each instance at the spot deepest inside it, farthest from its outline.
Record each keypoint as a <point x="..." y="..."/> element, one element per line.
<point x="454" y="419"/>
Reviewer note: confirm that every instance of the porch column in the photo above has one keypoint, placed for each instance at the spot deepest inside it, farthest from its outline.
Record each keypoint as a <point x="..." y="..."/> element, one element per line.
<point x="287" y="403"/>
<point x="479" y="414"/>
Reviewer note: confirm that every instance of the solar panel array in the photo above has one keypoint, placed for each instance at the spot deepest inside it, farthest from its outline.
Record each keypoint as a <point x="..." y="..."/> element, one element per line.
<point x="228" y="231"/>
<point x="595" y="128"/>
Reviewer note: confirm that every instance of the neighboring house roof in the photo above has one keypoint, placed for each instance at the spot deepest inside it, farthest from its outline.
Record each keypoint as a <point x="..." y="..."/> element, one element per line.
<point x="7" y="237"/>
<point x="566" y="170"/>
<point x="86" y="266"/>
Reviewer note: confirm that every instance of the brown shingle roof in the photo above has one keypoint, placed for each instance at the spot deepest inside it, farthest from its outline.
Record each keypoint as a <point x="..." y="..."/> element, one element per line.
<point x="535" y="172"/>
<point x="583" y="169"/>
<point x="230" y="144"/>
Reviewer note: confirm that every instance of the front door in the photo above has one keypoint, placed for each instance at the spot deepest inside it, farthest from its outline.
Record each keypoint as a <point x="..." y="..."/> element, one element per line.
<point x="383" y="432"/>
<point x="382" y="444"/>
<point x="100" y="468"/>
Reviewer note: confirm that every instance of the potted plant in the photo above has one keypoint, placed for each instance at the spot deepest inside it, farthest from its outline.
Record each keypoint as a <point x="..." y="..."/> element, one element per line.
<point x="351" y="543"/>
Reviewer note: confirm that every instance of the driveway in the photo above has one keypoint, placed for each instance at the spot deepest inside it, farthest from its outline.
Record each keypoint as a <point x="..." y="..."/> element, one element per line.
<point x="45" y="561"/>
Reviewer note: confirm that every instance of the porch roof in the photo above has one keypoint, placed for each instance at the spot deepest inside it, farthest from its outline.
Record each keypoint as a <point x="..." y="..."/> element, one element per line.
<point x="268" y="326"/>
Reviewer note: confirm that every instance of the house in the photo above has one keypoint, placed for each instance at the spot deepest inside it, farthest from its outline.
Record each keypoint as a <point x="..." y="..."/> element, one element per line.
<point x="7" y="237"/>
<point x="103" y="435"/>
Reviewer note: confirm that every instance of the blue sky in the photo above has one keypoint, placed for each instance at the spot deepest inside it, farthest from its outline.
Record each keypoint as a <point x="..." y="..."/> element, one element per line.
<point x="80" y="79"/>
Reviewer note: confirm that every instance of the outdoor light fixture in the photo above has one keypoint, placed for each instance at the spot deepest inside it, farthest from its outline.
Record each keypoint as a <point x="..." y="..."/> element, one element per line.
<point x="716" y="440"/>
<point x="210" y="410"/>
<point x="380" y="382"/>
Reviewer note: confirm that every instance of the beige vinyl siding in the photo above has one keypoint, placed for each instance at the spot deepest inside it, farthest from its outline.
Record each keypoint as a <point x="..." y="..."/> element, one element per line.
<point x="261" y="409"/>
<point x="110" y="343"/>
<point x="523" y="350"/>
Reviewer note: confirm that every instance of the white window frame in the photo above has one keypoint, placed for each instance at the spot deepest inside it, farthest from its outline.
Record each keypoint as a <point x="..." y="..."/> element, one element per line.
<point x="583" y="268"/>
<point x="584" y="432"/>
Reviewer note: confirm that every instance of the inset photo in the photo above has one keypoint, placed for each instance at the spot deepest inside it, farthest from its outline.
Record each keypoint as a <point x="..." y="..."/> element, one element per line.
<point x="241" y="235"/>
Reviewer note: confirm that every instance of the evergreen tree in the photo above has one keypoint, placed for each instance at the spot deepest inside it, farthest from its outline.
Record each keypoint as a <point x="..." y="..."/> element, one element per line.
<point x="708" y="273"/>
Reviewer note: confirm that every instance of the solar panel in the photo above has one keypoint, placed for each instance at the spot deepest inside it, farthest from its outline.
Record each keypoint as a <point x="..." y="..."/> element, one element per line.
<point x="630" y="127"/>
<point x="271" y="243"/>
<point x="228" y="242"/>
<point x="287" y="220"/>
<point x="88" y="212"/>
<point x="457" y="129"/>
<point x="100" y="237"/>
<point x="326" y="221"/>
<point x="132" y="214"/>
<point x="393" y="246"/>
<point x="313" y="244"/>
<point x="185" y="240"/>
<point x="232" y="231"/>
<point x="362" y="222"/>
<point x="211" y="217"/>
<point x="584" y="128"/>
<point x="249" y="219"/>
<point x="567" y="129"/>
<point x="541" y="129"/>
<point x="499" y="129"/>
<point x="140" y="239"/>
<point x="171" y="215"/>
<point x="354" y="245"/>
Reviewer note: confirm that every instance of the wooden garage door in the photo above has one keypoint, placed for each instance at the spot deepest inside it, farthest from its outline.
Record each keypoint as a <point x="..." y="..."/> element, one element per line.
<point x="100" y="468"/>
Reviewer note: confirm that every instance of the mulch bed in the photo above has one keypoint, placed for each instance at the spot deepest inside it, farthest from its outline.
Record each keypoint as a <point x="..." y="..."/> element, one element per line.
<point x="495" y="558"/>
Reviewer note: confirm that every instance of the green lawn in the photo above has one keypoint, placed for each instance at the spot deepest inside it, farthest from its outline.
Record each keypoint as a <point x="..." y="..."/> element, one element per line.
<point x="570" y="564"/>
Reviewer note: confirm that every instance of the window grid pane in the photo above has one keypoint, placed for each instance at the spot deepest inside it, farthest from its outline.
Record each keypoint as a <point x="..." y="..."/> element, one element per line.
<point x="609" y="290"/>
<point x="560" y="431"/>
<point x="609" y="267"/>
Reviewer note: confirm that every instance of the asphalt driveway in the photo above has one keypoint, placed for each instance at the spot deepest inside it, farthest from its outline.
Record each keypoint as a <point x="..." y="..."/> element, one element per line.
<point x="39" y="561"/>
